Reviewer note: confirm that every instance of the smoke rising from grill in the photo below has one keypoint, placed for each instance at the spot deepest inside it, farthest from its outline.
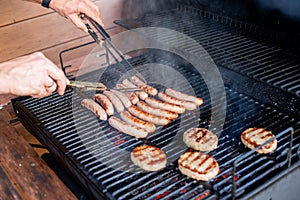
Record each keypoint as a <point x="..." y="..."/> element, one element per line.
<point x="287" y="7"/>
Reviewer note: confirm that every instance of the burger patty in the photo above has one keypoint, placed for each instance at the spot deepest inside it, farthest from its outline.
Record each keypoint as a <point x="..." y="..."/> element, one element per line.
<point x="200" y="139"/>
<point x="254" y="137"/>
<point x="149" y="158"/>
<point x="198" y="166"/>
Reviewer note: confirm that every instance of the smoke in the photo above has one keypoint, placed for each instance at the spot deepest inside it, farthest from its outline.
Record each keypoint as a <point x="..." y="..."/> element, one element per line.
<point x="287" y="7"/>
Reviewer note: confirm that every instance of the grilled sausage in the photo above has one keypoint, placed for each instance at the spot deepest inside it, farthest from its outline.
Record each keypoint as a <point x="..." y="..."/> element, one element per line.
<point x="198" y="166"/>
<point x="156" y="111"/>
<point x="94" y="107"/>
<point x="254" y="137"/>
<point x="142" y="95"/>
<point x="143" y="86"/>
<point x="148" y="117"/>
<point x="114" y="100"/>
<point x="105" y="103"/>
<point x="127" y="128"/>
<point x="122" y="96"/>
<point x="127" y="117"/>
<point x="187" y="104"/>
<point x="183" y="96"/>
<point x="131" y="95"/>
<point x="164" y="105"/>
<point x="200" y="139"/>
<point x="149" y="158"/>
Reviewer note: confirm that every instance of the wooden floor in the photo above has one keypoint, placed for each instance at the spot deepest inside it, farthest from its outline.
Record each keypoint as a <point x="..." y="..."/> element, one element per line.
<point x="27" y="27"/>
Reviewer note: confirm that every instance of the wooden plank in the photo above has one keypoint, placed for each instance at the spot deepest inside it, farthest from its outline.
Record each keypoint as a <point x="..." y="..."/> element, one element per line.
<point x="53" y="52"/>
<point x="30" y="175"/>
<point x="23" y="10"/>
<point x="38" y="33"/>
<point x="46" y="31"/>
<point x="6" y="12"/>
<point x="7" y="188"/>
<point x="13" y="11"/>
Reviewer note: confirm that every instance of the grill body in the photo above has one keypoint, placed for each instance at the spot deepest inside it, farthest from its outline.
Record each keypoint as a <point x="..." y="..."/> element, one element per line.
<point x="261" y="80"/>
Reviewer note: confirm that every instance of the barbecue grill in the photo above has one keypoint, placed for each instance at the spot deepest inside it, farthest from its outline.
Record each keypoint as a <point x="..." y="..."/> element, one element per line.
<point x="262" y="87"/>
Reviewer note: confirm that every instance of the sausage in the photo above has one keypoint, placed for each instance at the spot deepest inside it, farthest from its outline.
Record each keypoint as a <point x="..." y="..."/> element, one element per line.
<point x="131" y="95"/>
<point x="143" y="86"/>
<point x="187" y="104"/>
<point x="94" y="107"/>
<point x="122" y="96"/>
<point x="130" y="119"/>
<point x="183" y="96"/>
<point x="127" y="128"/>
<point x="105" y="103"/>
<point x="148" y="117"/>
<point x="142" y="95"/>
<point x="114" y="100"/>
<point x="156" y="111"/>
<point x="164" y="105"/>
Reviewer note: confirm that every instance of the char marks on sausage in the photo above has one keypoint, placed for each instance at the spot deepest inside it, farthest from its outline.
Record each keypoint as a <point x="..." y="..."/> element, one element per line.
<point x="147" y="116"/>
<point x="130" y="119"/>
<point x="127" y="128"/>
<point x="105" y="103"/>
<point x="183" y="96"/>
<point x="143" y="86"/>
<point x="131" y="95"/>
<point x="95" y="108"/>
<point x="187" y="104"/>
<point x="165" y="105"/>
<point x="156" y="111"/>
<point x="142" y="95"/>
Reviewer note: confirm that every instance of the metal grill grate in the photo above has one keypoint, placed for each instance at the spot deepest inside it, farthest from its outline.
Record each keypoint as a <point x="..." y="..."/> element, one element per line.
<point x="78" y="139"/>
<point x="235" y="45"/>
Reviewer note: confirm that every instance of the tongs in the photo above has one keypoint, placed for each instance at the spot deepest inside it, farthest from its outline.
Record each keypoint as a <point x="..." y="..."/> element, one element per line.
<point x="106" y="37"/>
<point x="95" y="86"/>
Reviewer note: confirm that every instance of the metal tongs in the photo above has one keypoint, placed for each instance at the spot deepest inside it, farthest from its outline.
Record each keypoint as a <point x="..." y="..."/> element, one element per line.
<point x="103" y="42"/>
<point x="95" y="86"/>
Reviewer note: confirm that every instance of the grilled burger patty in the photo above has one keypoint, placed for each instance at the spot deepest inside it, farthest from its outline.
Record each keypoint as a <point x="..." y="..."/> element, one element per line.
<point x="200" y="139"/>
<point x="198" y="166"/>
<point x="254" y="137"/>
<point x="149" y="158"/>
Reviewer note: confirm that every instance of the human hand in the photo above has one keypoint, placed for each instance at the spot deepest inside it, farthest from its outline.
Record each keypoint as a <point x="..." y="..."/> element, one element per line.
<point x="72" y="9"/>
<point x="33" y="75"/>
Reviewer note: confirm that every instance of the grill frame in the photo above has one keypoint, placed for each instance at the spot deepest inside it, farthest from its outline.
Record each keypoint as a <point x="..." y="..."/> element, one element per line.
<point x="65" y="155"/>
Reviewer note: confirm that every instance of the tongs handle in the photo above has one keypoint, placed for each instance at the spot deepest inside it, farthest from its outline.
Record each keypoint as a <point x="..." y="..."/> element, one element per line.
<point x="101" y="30"/>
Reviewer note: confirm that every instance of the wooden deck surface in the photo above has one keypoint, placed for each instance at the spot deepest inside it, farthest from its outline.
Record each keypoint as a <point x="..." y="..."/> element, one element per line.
<point x="23" y="174"/>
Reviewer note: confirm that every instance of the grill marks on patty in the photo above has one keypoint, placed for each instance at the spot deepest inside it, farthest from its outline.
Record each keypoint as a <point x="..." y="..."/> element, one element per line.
<point x="254" y="137"/>
<point x="200" y="139"/>
<point x="149" y="158"/>
<point x="198" y="166"/>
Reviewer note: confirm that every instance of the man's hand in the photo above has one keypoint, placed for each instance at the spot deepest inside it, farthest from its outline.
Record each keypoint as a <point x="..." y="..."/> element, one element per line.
<point x="33" y="75"/>
<point x="72" y="9"/>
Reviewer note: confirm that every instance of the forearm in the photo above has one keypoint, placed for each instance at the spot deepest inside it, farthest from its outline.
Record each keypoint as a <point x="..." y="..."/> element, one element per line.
<point x="4" y="78"/>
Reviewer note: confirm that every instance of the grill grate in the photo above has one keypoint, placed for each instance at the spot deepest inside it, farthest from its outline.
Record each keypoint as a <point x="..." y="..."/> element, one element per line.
<point x="238" y="46"/>
<point x="80" y="140"/>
